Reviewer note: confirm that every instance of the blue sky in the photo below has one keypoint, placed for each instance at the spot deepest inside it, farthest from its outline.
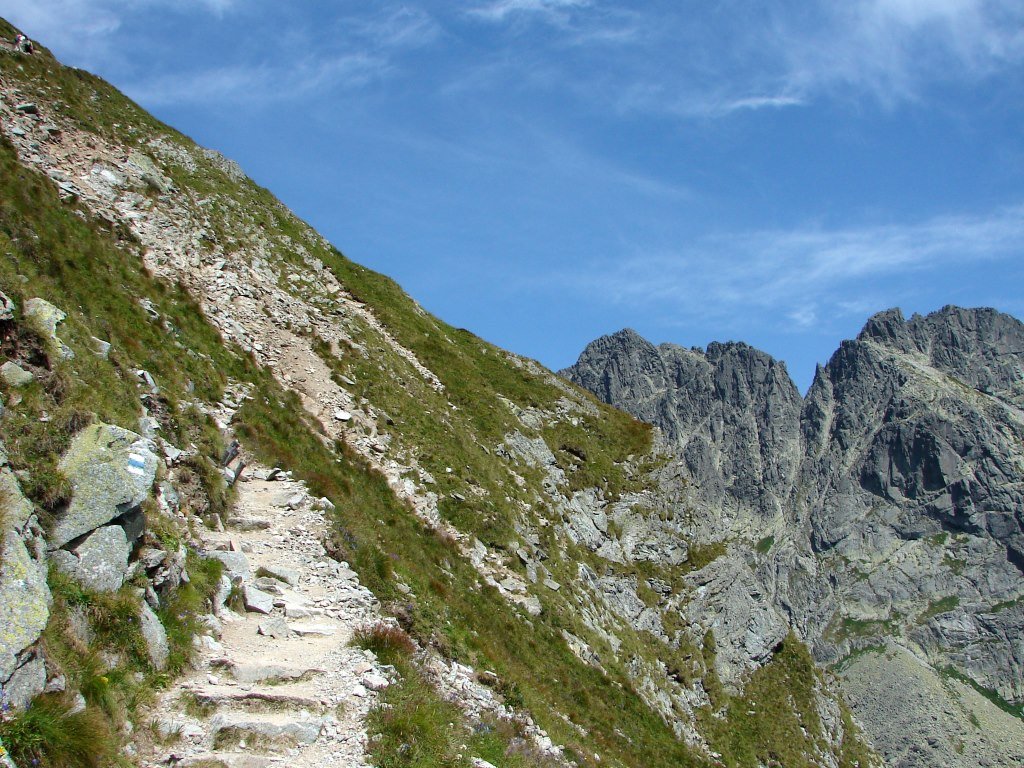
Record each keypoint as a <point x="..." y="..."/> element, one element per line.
<point x="543" y="172"/>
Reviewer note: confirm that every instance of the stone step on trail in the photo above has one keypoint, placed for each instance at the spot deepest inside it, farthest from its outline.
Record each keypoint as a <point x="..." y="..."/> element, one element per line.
<point x="264" y="731"/>
<point x="269" y="674"/>
<point x="261" y="700"/>
<point x="230" y="760"/>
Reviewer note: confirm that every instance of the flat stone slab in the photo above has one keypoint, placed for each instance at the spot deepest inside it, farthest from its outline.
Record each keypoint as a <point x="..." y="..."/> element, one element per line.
<point x="279" y="729"/>
<point x="304" y="630"/>
<point x="270" y="673"/>
<point x="257" y="600"/>
<point x="288" y="575"/>
<point x="275" y="627"/>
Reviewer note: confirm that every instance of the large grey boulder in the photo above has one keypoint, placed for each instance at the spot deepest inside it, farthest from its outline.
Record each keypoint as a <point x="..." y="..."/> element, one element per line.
<point x="149" y="172"/>
<point x="100" y="562"/>
<point x="24" y="601"/>
<point x="111" y="471"/>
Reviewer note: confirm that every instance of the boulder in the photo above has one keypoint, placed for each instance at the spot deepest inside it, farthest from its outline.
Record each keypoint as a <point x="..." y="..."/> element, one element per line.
<point x="149" y="173"/>
<point x="45" y="318"/>
<point x="100" y="347"/>
<point x="100" y="562"/>
<point x="155" y="635"/>
<point x="274" y="627"/>
<point x="24" y="601"/>
<point x="14" y="375"/>
<point x="287" y="575"/>
<point x="111" y="471"/>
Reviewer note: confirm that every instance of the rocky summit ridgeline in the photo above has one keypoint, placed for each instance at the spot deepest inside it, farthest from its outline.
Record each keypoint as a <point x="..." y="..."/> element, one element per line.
<point x="883" y="513"/>
<point x="259" y="508"/>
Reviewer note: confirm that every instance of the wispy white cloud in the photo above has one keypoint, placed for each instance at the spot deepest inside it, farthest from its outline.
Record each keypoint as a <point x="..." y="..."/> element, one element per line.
<point x="713" y="61"/>
<point x="500" y="10"/>
<point x="268" y="82"/>
<point x="797" y="278"/>
<point x="893" y="49"/>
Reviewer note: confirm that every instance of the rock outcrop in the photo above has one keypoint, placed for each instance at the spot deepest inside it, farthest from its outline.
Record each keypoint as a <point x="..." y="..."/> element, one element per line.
<point x="884" y="507"/>
<point x="730" y="412"/>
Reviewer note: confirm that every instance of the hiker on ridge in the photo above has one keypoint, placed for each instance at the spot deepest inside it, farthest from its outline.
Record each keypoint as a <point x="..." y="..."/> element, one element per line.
<point x="23" y="44"/>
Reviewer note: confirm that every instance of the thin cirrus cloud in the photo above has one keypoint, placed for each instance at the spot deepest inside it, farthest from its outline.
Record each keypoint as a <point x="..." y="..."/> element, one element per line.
<point x="256" y="85"/>
<point x="790" y="274"/>
<point x="500" y="10"/>
<point x="711" y="62"/>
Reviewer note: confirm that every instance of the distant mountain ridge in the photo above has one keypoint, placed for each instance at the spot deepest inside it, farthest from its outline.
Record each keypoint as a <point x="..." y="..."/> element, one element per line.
<point x="888" y="502"/>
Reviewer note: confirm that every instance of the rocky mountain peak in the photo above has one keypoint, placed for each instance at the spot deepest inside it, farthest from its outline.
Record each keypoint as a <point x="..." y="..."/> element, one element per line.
<point x="895" y="485"/>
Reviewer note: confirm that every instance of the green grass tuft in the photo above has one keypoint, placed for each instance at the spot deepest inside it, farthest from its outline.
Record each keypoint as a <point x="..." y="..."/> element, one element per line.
<point x="48" y="735"/>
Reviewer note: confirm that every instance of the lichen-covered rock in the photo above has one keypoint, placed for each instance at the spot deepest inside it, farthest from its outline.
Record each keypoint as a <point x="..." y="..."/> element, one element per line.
<point x="155" y="636"/>
<point x="45" y="318"/>
<point x="100" y="562"/>
<point x="16" y="508"/>
<point x="24" y="601"/>
<point x="111" y="471"/>
<point x="14" y="375"/>
<point x="149" y="173"/>
<point x="7" y="308"/>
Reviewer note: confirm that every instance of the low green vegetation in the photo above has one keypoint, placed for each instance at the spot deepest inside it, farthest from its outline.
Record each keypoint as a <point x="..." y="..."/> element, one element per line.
<point x="937" y="607"/>
<point x="993" y="696"/>
<point x="415" y="728"/>
<point x="775" y="721"/>
<point x="51" y="734"/>
<point x="765" y="545"/>
<point x="1006" y="605"/>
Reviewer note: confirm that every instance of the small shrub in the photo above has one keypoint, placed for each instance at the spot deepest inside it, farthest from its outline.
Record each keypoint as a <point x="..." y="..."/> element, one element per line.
<point x="764" y="545"/>
<point x="390" y="643"/>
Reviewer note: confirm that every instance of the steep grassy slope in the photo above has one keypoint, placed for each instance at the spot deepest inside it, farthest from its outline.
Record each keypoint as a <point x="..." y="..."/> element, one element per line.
<point x="502" y="580"/>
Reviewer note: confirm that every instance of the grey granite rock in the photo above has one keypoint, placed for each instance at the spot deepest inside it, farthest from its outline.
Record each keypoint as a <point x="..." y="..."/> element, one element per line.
<point x="111" y="471"/>
<point x="24" y="601"/>
<point x="99" y="562"/>
<point x="236" y="564"/>
<point x="155" y="635"/>
<point x="45" y="318"/>
<point x="14" y="375"/>
<point x="886" y="506"/>
<point x="27" y="682"/>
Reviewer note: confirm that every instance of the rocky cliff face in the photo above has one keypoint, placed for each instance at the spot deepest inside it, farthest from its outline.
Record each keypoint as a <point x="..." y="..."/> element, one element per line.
<point x="896" y="484"/>
<point x="730" y="412"/>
